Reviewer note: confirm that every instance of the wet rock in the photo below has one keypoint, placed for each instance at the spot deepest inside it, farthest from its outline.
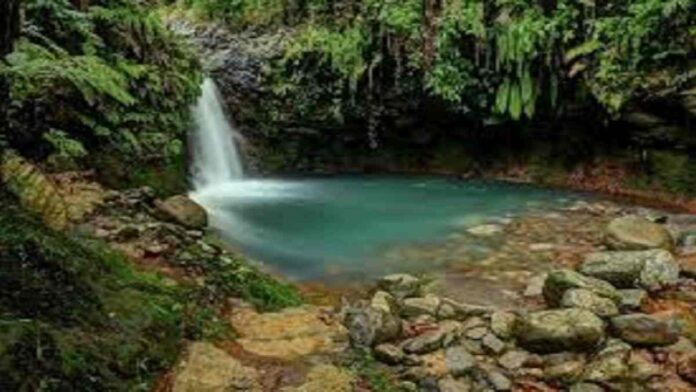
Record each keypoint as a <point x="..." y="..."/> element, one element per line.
<point x="389" y="354"/>
<point x="184" y="211"/>
<point x="633" y="232"/>
<point x="557" y="330"/>
<point x="422" y="305"/>
<point x="459" y="361"/>
<point x="209" y="369"/>
<point x="424" y="343"/>
<point x="401" y="285"/>
<point x="503" y="324"/>
<point x="632" y="299"/>
<point x="558" y="282"/>
<point x="651" y="269"/>
<point x="585" y="299"/>
<point x="322" y="378"/>
<point x="644" y="329"/>
<point x="449" y="384"/>
<point x="492" y="344"/>
<point x="512" y="360"/>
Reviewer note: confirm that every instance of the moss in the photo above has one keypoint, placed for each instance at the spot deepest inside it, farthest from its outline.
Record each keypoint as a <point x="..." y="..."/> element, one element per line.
<point x="371" y="373"/>
<point x="76" y="316"/>
<point x="229" y="275"/>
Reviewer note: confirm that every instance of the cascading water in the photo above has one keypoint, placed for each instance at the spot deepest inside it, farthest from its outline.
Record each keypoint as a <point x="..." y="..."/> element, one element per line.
<point x="215" y="156"/>
<point x="340" y="228"/>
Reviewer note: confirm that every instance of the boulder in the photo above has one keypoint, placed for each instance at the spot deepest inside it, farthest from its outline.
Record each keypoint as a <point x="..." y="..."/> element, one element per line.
<point x="645" y="330"/>
<point x="206" y="368"/>
<point x="558" y="330"/>
<point x="632" y="299"/>
<point x="389" y="354"/>
<point x="585" y="299"/>
<point x="459" y="361"/>
<point x="184" y="211"/>
<point x="610" y="364"/>
<point x="421" y="305"/>
<point x="492" y="344"/>
<point x="634" y="232"/>
<point x="425" y="343"/>
<point x="687" y="367"/>
<point x="650" y="269"/>
<point x="449" y="384"/>
<point x="369" y="326"/>
<point x="515" y="359"/>
<point x="559" y="281"/>
<point x="401" y="285"/>
<point x="503" y="324"/>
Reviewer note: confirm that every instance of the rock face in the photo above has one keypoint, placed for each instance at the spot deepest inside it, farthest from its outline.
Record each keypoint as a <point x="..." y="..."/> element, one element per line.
<point x="209" y="369"/>
<point x="289" y="334"/>
<point x="651" y="269"/>
<point x="633" y="232"/>
<point x="558" y="330"/>
<point x="182" y="210"/>
<point x="558" y="282"/>
<point x="645" y="330"/>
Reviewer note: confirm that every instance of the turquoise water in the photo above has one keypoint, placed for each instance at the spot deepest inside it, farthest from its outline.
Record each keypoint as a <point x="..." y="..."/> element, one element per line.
<point x="344" y="228"/>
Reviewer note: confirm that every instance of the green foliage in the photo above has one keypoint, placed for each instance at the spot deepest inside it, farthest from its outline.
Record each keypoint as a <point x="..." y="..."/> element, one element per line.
<point x="76" y="316"/>
<point x="493" y="59"/>
<point x="231" y="276"/>
<point x="109" y="77"/>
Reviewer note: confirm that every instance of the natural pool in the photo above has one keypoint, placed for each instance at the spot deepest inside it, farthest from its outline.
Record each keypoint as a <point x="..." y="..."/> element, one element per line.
<point x="349" y="229"/>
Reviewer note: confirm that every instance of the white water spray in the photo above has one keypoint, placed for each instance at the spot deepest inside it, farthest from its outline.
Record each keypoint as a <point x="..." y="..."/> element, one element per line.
<point x="215" y="156"/>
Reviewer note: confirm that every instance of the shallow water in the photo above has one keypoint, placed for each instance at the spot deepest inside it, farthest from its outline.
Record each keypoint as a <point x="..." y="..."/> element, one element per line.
<point x="352" y="229"/>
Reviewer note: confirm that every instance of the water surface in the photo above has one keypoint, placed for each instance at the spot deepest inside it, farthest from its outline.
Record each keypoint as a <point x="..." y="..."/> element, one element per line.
<point x="350" y="229"/>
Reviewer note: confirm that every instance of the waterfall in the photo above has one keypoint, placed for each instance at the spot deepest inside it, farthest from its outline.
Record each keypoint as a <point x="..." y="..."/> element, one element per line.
<point x="215" y="156"/>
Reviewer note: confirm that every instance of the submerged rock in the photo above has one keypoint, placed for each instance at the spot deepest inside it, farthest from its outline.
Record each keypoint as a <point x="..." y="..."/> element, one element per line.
<point x="633" y="232"/>
<point x="646" y="330"/>
<point x="184" y="211"/>
<point x="651" y="269"/>
<point x="585" y="299"/>
<point x="558" y="282"/>
<point x="209" y="369"/>
<point x="559" y="330"/>
<point x="485" y="230"/>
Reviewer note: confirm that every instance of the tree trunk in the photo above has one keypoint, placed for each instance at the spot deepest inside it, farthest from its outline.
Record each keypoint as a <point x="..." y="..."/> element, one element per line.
<point x="431" y="12"/>
<point x="9" y="31"/>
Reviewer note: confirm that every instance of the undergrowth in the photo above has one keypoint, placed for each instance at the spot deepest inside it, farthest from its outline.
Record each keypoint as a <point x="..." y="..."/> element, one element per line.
<point x="75" y="315"/>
